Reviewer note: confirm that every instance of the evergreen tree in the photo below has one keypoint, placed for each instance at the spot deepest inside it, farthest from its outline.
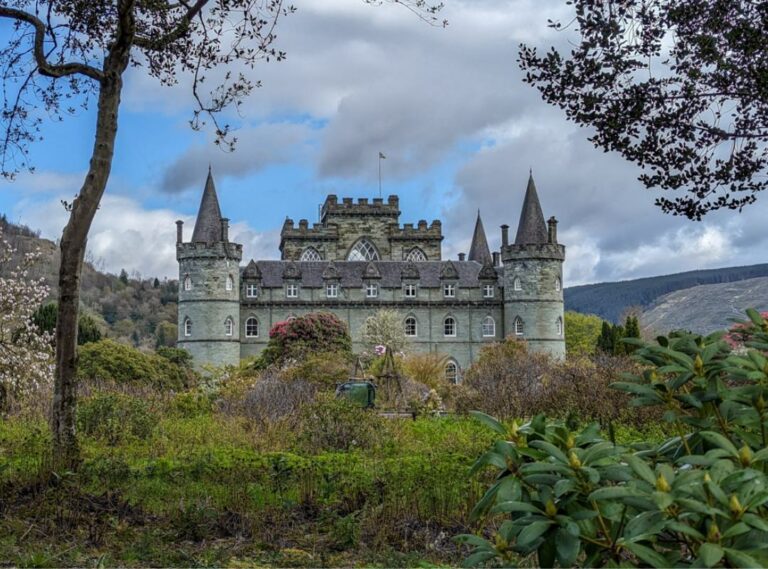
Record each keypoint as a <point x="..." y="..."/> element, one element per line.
<point x="156" y="283"/>
<point x="87" y="330"/>
<point x="605" y="341"/>
<point x="617" y="334"/>
<point x="632" y="331"/>
<point x="123" y="276"/>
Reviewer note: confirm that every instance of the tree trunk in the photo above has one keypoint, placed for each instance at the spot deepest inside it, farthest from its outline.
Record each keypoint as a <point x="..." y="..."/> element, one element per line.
<point x="73" y="241"/>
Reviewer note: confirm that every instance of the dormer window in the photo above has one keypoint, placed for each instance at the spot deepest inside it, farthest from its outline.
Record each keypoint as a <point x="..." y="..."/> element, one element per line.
<point x="251" y="291"/>
<point x="363" y="250"/>
<point x="489" y="291"/>
<point x="449" y="290"/>
<point x="371" y="290"/>
<point x="409" y="290"/>
<point x="332" y="290"/>
<point x="292" y="291"/>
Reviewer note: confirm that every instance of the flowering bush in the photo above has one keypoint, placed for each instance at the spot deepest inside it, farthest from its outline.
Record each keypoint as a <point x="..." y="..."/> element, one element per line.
<point x="311" y="333"/>
<point x="26" y="357"/>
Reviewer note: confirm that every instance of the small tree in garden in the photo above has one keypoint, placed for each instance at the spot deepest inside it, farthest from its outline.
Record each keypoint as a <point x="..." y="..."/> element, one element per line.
<point x="312" y="333"/>
<point x="385" y="328"/>
<point x="700" y="499"/>
<point x="26" y="356"/>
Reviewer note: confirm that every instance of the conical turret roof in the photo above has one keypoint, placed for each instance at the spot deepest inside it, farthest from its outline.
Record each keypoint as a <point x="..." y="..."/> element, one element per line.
<point x="479" y="250"/>
<point x="208" y="224"/>
<point x="532" y="229"/>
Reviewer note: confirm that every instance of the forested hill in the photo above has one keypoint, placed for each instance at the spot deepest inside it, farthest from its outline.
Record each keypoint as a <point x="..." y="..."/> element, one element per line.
<point x="610" y="300"/>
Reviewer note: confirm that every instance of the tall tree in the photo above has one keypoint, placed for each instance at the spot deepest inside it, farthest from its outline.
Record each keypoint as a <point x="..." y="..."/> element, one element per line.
<point x="679" y="87"/>
<point x="66" y="51"/>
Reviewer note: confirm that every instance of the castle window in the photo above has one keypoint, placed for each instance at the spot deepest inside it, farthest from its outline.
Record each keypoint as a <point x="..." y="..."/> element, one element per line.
<point x="411" y="327"/>
<point x="363" y="251"/>
<point x="489" y="291"/>
<point x="310" y="254"/>
<point x="251" y="291"/>
<point x="229" y="327"/>
<point x="291" y="318"/>
<point x="489" y="327"/>
<point x="187" y="283"/>
<point x="230" y="282"/>
<point x="187" y="327"/>
<point x="252" y="327"/>
<point x="416" y="255"/>
<point x="449" y="291"/>
<point x="452" y="372"/>
<point x="292" y="291"/>
<point x="517" y="285"/>
<point x="332" y="290"/>
<point x="449" y="326"/>
<point x="559" y="326"/>
<point x="409" y="290"/>
<point x="558" y="284"/>
<point x="371" y="290"/>
<point x="519" y="326"/>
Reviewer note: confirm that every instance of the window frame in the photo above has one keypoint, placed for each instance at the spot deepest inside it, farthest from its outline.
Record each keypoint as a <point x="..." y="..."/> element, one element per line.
<point x="291" y="290"/>
<point x="331" y="290"/>
<point x="558" y="284"/>
<point x="484" y="327"/>
<point x="230" y="283"/>
<point x="187" y="283"/>
<point x="411" y="320"/>
<point x="416" y="255"/>
<point x="453" y="375"/>
<point x="517" y="284"/>
<point x="489" y="291"/>
<point x="363" y="250"/>
<point x="187" y="327"/>
<point x="410" y="287"/>
<point x="229" y="327"/>
<point x="519" y="326"/>
<point x="247" y="324"/>
<point x="453" y="324"/>
<point x="559" y="326"/>
<point x="251" y="290"/>
<point x="371" y="290"/>
<point x="449" y="290"/>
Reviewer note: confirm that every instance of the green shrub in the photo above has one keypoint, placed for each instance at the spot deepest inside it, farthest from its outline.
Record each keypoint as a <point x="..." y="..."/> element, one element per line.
<point x="115" y="417"/>
<point x="698" y="499"/>
<point x="325" y="370"/>
<point x="311" y="333"/>
<point x="108" y="360"/>
<point x="190" y="404"/>
<point x="332" y="423"/>
<point x="88" y="329"/>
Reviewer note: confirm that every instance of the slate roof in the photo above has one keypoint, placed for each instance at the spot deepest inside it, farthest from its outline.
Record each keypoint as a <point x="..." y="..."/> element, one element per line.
<point x="351" y="273"/>
<point x="479" y="250"/>
<point x="208" y="225"/>
<point x="532" y="229"/>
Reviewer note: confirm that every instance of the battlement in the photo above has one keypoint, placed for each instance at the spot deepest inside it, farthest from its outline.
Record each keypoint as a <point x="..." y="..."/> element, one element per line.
<point x="362" y="207"/>
<point x="552" y="251"/>
<point x="422" y="231"/>
<point x="303" y="231"/>
<point x="217" y="250"/>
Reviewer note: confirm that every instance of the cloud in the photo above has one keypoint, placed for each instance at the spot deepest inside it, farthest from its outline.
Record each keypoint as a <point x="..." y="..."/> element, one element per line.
<point x="257" y="148"/>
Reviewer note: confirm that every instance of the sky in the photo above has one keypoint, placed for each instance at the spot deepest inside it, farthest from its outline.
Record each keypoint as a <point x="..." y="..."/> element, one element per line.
<point x="446" y="106"/>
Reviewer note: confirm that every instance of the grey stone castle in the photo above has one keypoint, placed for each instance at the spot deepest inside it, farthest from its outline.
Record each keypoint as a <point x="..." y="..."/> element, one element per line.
<point x="359" y="259"/>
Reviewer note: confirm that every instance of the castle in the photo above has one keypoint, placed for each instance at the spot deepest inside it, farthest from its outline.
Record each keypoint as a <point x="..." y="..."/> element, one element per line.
<point x="359" y="259"/>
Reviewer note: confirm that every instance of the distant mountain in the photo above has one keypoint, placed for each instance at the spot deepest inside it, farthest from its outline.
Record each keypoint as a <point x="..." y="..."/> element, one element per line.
<point x="610" y="300"/>
<point x="707" y="308"/>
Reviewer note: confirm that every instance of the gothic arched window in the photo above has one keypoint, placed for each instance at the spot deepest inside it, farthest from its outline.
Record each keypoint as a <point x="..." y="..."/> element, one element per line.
<point x="252" y="327"/>
<point x="559" y="326"/>
<point x="411" y="327"/>
<point x="187" y="283"/>
<point x="558" y="284"/>
<point x="310" y="254"/>
<point x="363" y="250"/>
<point x="519" y="326"/>
<point x="229" y="327"/>
<point x="187" y="327"/>
<point x="230" y="282"/>
<point x="489" y="327"/>
<point x="416" y="255"/>
<point x="449" y="326"/>
<point x="452" y="372"/>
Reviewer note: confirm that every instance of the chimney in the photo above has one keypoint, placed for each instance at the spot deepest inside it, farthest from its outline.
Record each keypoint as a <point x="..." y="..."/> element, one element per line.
<point x="504" y="235"/>
<point x="462" y="256"/>
<point x="179" y="231"/>
<point x="496" y="259"/>
<point x="552" y="229"/>
<point x="225" y="229"/>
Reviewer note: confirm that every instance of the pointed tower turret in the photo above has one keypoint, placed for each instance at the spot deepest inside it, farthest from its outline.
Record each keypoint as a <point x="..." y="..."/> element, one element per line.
<point x="208" y="227"/>
<point x="209" y="291"/>
<point x="479" y="250"/>
<point x="531" y="228"/>
<point x="533" y="285"/>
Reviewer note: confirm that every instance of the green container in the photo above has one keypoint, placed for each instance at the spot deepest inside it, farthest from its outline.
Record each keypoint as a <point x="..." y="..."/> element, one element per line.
<point x="362" y="393"/>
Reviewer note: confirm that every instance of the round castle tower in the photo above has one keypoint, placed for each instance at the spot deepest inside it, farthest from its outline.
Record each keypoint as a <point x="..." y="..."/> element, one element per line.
<point x="533" y="280"/>
<point x="209" y="286"/>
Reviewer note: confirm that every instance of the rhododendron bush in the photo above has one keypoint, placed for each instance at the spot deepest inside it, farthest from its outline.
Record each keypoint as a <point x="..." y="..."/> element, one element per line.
<point x="25" y="354"/>
<point x="311" y="333"/>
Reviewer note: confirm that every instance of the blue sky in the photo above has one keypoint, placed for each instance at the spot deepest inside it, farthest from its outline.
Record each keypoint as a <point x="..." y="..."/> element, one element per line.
<point x="448" y="108"/>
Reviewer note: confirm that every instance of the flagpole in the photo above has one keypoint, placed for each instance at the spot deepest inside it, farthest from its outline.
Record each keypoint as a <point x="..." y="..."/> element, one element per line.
<point x="379" y="174"/>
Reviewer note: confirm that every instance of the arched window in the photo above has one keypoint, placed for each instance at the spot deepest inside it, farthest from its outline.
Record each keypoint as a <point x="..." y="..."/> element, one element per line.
<point x="517" y="284"/>
<point x="310" y="254"/>
<point x="187" y="327"/>
<point x="252" y="327"/>
<point x="416" y="255"/>
<point x="489" y="327"/>
<point x="558" y="284"/>
<point x="187" y="283"/>
<point x="291" y="318"/>
<point x="230" y="282"/>
<point x="229" y="327"/>
<point x="411" y="327"/>
<point x="363" y="250"/>
<point x="559" y="326"/>
<point x="519" y="326"/>
<point x="452" y="372"/>
<point x="449" y="326"/>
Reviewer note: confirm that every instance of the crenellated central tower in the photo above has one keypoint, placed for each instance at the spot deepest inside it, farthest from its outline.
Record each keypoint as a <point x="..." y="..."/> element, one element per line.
<point x="209" y="286"/>
<point x="533" y="279"/>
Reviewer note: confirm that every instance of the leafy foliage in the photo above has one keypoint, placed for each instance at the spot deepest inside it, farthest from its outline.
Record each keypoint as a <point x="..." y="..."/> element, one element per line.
<point x="87" y="328"/>
<point x="581" y="333"/>
<point x="311" y="333"/>
<point x="675" y="86"/>
<point x="115" y="418"/>
<point x="698" y="499"/>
